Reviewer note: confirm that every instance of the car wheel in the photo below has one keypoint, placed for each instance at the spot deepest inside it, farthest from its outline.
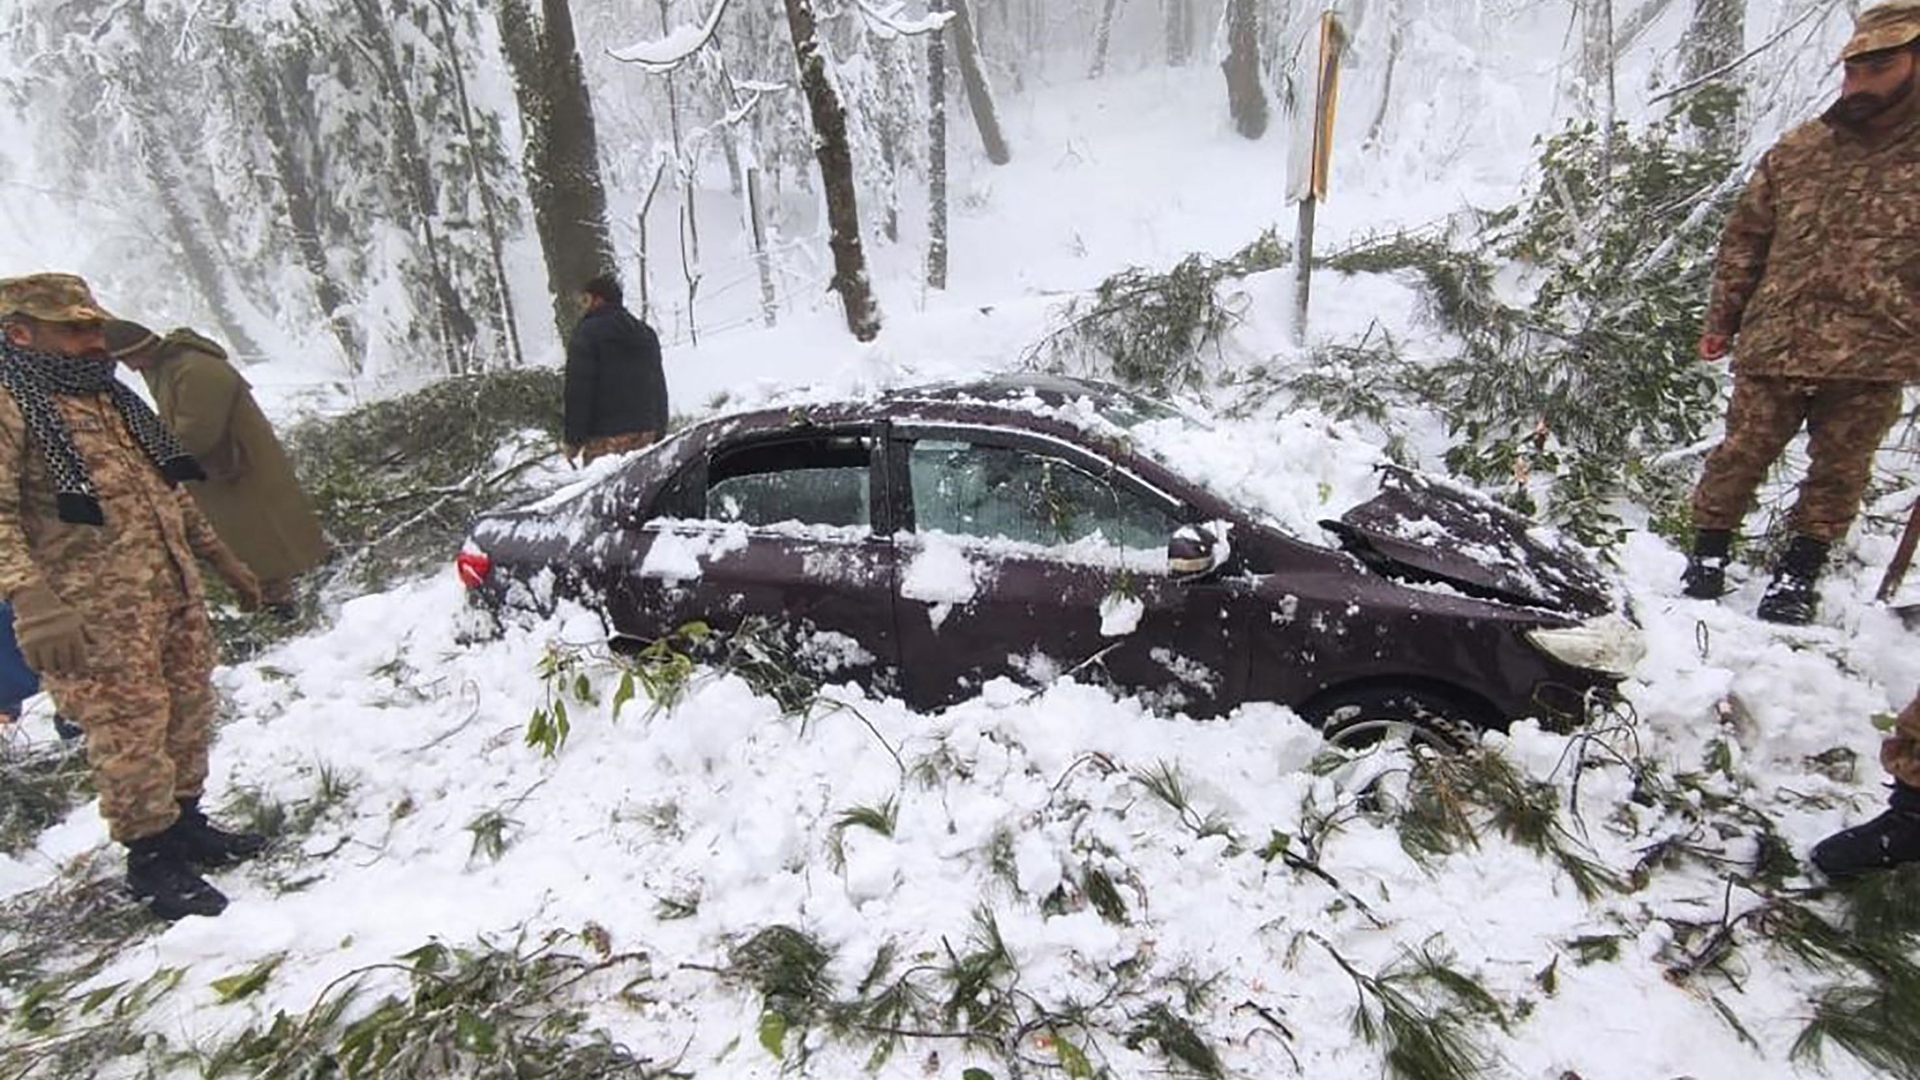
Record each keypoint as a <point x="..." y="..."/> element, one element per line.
<point x="1358" y="717"/>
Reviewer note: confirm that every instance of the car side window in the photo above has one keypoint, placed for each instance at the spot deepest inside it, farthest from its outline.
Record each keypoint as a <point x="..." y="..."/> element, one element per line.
<point x="814" y="481"/>
<point x="998" y="492"/>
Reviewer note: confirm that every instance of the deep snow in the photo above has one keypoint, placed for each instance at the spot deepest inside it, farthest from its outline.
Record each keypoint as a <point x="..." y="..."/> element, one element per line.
<point x="724" y="800"/>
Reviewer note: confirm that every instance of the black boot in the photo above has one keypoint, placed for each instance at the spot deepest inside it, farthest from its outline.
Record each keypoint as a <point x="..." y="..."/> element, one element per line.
<point x="206" y="845"/>
<point x="1791" y="598"/>
<point x="1886" y="841"/>
<point x="1705" y="577"/>
<point x="160" y="877"/>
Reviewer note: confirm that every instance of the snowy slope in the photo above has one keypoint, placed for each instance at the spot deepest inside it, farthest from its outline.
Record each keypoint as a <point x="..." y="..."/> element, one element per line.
<point x="682" y="833"/>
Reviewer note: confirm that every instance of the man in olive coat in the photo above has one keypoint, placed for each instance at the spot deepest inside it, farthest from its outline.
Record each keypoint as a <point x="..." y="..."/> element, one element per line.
<point x="251" y="493"/>
<point x="1816" y="293"/>
<point x="616" y="393"/>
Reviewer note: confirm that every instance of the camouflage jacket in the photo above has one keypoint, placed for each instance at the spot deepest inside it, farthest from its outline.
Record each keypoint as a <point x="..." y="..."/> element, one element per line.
<point x="145" y="551"/>
<point x="1819" y="266"/>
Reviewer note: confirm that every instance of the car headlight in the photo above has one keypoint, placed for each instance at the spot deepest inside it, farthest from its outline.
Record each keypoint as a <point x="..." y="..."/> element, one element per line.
<point x="1608" y="643"/>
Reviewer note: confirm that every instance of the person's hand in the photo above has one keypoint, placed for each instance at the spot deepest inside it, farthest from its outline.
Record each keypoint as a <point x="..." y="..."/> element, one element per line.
<point x="240" y="579"/>
<point x="52" y="635"/>
<point x="1712" y="347"/>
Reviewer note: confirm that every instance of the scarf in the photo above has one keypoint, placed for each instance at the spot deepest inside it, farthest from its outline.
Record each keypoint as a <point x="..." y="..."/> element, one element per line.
<point x="33" y="377"/>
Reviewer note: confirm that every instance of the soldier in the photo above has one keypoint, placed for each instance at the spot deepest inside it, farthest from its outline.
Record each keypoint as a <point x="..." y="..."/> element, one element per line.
<point x="251" y="494"/>
<point x="1893" y="837"/>
<point x="616" y="393"/>
<point x="97" y="548"/>
<point x="1817" y="294"/>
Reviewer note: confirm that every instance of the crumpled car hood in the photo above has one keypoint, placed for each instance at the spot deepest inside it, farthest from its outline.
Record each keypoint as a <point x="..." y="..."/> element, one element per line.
<point x="1423" y="530"/>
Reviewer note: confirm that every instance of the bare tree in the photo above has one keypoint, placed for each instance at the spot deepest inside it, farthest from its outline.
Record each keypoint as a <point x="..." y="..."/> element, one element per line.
<point x="561" y="152"/>
<point x="1715" y="38"/>
<point x="937" y="154"/>
<point x="1179" y="32"/>
<point x="1245" y="98"/>
<point x="1102" y="38"/>
<point x="836" y="174"/>
<point x="974" y="77"/>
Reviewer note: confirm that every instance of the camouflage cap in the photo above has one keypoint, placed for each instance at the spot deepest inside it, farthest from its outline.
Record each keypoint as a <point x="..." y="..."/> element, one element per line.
<point x="50" y="297"/>
<point x="1884" y="26"/>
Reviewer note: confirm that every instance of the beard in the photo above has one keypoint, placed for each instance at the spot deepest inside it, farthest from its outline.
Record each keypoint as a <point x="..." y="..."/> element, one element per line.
<point x="1856" y="110"/>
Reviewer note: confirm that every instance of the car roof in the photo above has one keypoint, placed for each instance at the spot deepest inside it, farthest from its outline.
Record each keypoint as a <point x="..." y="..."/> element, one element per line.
<point x="1030" y="400"/>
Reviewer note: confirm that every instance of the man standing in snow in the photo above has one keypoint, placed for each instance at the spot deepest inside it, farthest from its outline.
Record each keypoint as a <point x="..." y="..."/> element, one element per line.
<point x="97" y="550"/>
<point x="251" y="494"/>
<point x="1893" y="837"/>
<point x="1816" y="292"/>
<point x="616" y="394"/>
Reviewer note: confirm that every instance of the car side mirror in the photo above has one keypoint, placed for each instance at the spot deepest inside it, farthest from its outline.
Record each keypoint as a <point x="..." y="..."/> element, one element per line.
<point x="1196" y="550"/>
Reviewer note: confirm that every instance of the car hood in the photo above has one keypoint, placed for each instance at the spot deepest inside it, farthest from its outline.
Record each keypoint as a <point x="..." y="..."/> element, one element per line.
<point x="1424" y="530"/>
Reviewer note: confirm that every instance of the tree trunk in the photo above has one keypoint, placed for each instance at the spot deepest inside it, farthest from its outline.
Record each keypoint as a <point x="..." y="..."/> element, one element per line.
<point x="762" y="258"/>
<point x="937" y="154"/>
<point x="561" y="152"/>
<point x="1179" y="32"/>
<point x="979" y="94"/>
<point x="1102" y="39"/>
<point x="508" y="326"/>
<point x="456" y="325"/>
<point x="1245" y="98"/>
<point x="1396" y="33"/>
<point x="1715" y="38"/>
<point x="275" y="84"/>
<point x="190" y="239"/>
<point x="836" y="174"/>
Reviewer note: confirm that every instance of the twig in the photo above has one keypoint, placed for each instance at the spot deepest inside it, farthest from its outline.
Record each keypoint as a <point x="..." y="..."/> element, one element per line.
<point x="1691" y="84"/>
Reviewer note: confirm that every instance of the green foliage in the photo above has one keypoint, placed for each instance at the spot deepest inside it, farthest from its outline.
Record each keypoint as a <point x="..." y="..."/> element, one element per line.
<point x="490" y="831"/>
<point x="1177" y="1039"/>
<point x="1425" y="1015"/>
<point x="39" y="785"/>
<point x="1151" y="327"/>
<point x="788" y="968"/>
<point x="479" y="1011"/>
<point x="1167" y="784"/>
<point x="396" y="482"/>
<point x="1451" y="799"/>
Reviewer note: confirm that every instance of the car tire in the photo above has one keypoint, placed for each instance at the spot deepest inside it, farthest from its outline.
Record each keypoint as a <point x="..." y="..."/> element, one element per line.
<point x="1356" y="717"/>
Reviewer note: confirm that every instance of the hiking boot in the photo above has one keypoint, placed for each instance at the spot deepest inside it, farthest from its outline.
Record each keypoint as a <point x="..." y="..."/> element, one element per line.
<point x="1885" y="842"/>
<point x="1791" y="598"/>
<point x="160" y="877"/>
<point x="1705" y="577"/>
<point x="208" y="846"/>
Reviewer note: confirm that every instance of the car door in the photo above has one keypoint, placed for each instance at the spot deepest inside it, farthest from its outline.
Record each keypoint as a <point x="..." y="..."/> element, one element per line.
<point x="779" y="527"/>
<point x="1028" y="557"/>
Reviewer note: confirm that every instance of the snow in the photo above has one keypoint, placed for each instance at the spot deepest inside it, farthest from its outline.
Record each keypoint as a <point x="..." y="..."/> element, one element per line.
<point x="725" y="800"/>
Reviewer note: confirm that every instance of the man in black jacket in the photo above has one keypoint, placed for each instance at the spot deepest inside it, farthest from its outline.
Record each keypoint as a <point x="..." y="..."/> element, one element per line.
<point x="616" y="394"/>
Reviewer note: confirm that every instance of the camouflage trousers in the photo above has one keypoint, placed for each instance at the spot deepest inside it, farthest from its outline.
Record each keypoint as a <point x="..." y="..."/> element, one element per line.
<point x="1845" y="421"/>
<point x="623" y="443"/>
<point x="146" y="705"/>
<point x="1900" y="753"/>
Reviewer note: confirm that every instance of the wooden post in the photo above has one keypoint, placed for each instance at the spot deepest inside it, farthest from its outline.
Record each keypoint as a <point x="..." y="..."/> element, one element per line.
<point x="1902" y="556"/>
<point x="1303" y="269"/>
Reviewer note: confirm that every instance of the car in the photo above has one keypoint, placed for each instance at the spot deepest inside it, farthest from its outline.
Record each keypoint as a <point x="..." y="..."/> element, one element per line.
<point x="925" y="541"/>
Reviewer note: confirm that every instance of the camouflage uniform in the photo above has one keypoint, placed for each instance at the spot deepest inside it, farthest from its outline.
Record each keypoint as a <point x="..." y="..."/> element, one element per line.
<point x="1819" y="276"/>
<point x="1900" y="753"/>
<point x="146" y="701"/>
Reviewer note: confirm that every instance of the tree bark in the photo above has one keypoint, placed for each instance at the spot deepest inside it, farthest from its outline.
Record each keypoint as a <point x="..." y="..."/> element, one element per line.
<point x="1179" y="32"/>
<point x="836" y="174"/>
<point x="275" y="78"/>
<point x="456" y="325"/>
<point x="937" y="154"/>
<point x="1715" y="37"/>
<point x="979" y="94"/>
<point x="1102" y="39"/>
<point x="508" y="326"/>
<point x="561" y="151"/>
<point x="1245" y="98"/>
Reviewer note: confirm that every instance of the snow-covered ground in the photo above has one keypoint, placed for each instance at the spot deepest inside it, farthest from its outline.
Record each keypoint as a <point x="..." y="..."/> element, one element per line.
<point x="682" y="832"/>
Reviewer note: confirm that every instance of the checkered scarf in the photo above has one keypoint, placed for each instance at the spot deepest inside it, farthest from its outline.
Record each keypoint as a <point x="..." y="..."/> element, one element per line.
<point x="33" y="377"/>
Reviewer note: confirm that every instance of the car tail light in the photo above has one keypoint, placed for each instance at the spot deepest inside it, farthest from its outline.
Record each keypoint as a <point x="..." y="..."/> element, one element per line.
<point x="472" y="565"/>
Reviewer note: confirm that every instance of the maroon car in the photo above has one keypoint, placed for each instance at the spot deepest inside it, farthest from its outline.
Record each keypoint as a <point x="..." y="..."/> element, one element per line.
<point x="929" y="540"/>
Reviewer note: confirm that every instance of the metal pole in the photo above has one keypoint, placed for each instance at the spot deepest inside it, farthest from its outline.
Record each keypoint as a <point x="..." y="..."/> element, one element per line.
<point x="1303" y="269"/>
